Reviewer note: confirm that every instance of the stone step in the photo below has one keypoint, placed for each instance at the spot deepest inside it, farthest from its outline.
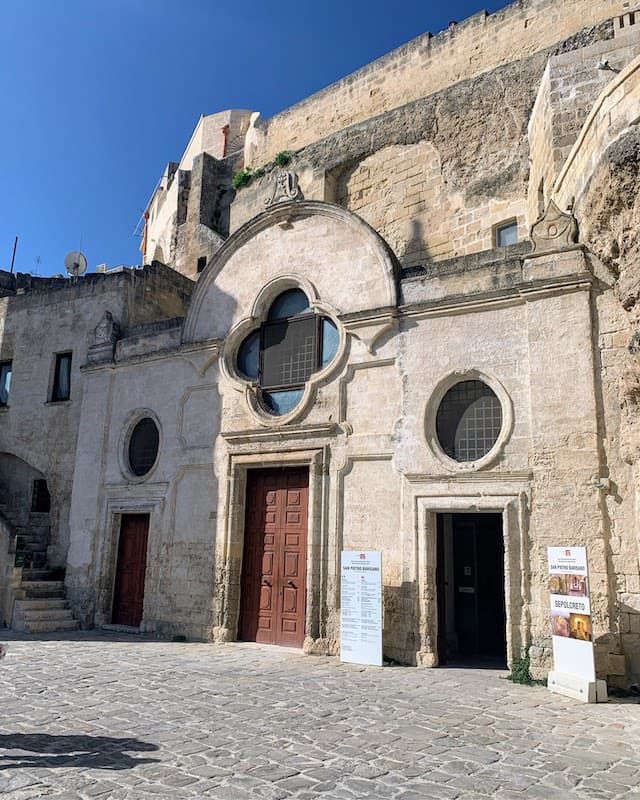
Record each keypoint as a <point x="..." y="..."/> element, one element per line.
<point x="44" y="604"/>
<point x="46" y="626"/>
<point x="38" y="531"/>
<point x="43" y="588"/>
<point x="43" y="615"/>
<point x="30" y="575"/>
<point x="33" y="544"/>
<point x="42" y="517"/>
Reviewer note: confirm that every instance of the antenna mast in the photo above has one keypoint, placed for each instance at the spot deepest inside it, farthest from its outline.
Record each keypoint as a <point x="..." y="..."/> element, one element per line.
<point x="13" y="257"/>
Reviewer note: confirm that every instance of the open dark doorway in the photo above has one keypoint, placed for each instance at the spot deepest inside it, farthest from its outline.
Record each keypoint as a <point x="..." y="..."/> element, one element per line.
<point x="471" y="596"/>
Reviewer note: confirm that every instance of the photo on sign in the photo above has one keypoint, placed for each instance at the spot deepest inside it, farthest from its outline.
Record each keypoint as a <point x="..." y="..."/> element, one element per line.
<point x="557" y="584"/>
<point x="580" y="627"/>
<point x="577" y="585"/>
<point x="561" y="624"/>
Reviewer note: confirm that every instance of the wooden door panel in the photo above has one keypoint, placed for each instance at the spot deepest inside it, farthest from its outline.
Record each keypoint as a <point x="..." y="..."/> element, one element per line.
<point x="275" y="554"/>
<point x="128" y="600"/>
<point x="267" y="564"/>
<point x="291" y="565"/>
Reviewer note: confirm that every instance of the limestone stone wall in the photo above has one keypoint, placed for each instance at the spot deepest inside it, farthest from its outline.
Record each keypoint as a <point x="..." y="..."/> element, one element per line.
<point x="403" y="171"/>
<point x="50" y="316"/>
<point x="426" y="65"/>
<point x="533" y="340"/>
<point x="436" y="176"/>
<point x="196" y="192"/>
<point x="569" y="88"/>
<point x="365" y="428"/>
<point x="608" y="210"/>
<point x="179" y="494"/>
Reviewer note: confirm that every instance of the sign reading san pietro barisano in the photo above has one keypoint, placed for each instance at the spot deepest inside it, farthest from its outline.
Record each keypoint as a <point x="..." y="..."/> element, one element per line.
<point x="361" y="607"/>
<point x="571" y="629"/>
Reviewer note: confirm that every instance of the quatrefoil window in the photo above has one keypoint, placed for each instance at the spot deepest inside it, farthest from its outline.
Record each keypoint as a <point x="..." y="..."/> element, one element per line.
<point x="289" y="347"/>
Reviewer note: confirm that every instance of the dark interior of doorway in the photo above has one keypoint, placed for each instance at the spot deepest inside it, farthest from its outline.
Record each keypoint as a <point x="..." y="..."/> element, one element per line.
<point x="471" y="595"/>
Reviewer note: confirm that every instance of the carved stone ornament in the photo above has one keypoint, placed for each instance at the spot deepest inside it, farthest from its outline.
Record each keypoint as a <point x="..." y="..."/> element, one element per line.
<point x="554" y="230"/>
<point x="285" y="187"/>
<point x="106" y="331"/>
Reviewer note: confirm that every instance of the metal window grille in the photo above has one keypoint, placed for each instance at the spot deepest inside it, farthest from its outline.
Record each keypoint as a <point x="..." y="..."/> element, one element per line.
<point x="469" y="421"/>
<point x="289" y="352"/>
<point x="143" y="446"/>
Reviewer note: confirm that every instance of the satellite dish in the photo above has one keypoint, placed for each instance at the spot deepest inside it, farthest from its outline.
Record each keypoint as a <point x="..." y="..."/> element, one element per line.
<point x="75" y="263"/>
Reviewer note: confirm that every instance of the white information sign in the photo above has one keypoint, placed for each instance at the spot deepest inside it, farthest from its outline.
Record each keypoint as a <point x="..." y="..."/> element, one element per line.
<point x="361" y="607"/>
<point x="571" y="612"/>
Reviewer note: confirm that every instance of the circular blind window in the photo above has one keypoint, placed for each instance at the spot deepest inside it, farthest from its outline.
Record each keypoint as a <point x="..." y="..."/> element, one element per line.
<point x="143" y="446"/>
<point x="469" y="421"/>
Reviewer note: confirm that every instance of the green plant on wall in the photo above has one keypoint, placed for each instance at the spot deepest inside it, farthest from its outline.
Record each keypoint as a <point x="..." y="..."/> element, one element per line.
<point x="247" y="176"/>
<point x="283" y="158"/>
<point x="242" y="178"/>
<point x="520" y="673"/>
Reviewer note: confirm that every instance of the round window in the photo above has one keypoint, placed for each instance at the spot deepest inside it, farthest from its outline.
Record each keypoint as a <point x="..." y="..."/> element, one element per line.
<point x="469" y="421"/>
<point x="143" y="446"/>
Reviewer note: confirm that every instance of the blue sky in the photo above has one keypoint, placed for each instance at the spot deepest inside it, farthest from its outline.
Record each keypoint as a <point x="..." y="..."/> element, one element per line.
<point x="97" y="95"/>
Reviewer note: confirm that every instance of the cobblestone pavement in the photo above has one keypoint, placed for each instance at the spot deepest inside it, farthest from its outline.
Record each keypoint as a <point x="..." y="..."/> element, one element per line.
<point x="102" y="716"/>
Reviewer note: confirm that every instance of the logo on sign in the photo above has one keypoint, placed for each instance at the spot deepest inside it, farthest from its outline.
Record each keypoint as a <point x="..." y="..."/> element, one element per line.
<point x="567" y="552"/>
<point x="363" y="556"/>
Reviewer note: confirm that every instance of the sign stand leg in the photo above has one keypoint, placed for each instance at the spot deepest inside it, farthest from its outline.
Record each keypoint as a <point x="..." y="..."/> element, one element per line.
<point x="577" y="688"/>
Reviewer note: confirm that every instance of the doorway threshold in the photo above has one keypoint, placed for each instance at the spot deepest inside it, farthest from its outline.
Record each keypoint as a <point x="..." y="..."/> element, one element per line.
<point x="478" y="662"/>
<point x="270" y="648"/>
<point x="112" y="628"/>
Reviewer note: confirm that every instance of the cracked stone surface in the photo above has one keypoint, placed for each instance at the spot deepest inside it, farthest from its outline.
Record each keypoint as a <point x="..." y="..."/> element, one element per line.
<point x="115" y="717"/>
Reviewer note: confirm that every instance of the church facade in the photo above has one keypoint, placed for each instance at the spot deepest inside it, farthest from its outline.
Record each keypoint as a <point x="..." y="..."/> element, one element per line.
<point x="398" y="316"/>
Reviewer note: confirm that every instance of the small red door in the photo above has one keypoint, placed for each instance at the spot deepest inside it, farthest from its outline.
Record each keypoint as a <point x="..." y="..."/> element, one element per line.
<point x="128" y="595"/>
<point x="274" y="569"/>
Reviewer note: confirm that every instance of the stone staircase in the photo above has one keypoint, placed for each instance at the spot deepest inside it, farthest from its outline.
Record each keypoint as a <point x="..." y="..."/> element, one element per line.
<point x="32" y="541"/>
<point x="33" y="596"/>
<point x="40" y="604"/>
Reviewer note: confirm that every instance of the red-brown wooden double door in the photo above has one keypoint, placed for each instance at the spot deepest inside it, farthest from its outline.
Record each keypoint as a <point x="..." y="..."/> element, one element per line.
<point x="128" y="595"/>
<point x="274" y="567"/>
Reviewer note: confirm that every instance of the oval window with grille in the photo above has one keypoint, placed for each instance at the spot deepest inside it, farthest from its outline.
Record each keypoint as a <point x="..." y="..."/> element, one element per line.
<point x="469" y="421"/>
<point x="143" y="446"/>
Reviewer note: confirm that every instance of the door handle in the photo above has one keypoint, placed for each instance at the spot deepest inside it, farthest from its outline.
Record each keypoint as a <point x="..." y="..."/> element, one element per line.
<point x="265" y="582"/>
<point x="291" y="584"/>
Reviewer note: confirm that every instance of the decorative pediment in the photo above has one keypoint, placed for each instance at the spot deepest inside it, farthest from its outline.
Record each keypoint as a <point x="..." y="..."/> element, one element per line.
<point x="554" y="230"/>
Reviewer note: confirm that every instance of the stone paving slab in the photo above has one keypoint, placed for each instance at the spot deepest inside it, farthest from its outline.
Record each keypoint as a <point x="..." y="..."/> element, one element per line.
<point x="118" y="717"/>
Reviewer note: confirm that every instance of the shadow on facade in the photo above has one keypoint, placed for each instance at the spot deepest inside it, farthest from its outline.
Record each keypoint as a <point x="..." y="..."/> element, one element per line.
<point x="49" y="750"/>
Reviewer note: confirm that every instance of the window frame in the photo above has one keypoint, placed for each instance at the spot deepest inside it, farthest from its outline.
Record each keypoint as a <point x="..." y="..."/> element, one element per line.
<point x="3" y="371"/>
<point x="452" y="411"/>
<point x="504" y="225"/>
<point x="129" y="424"/>
<point x="56" y="395"/>
<point x="129" y="442"/>
<point x="436" y="397"/>
<point x="247" y="381"/>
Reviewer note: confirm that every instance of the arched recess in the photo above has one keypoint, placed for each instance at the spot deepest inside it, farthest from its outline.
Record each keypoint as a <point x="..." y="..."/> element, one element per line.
<point x="350" y="265"/>
<point x="17" y="481"/>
